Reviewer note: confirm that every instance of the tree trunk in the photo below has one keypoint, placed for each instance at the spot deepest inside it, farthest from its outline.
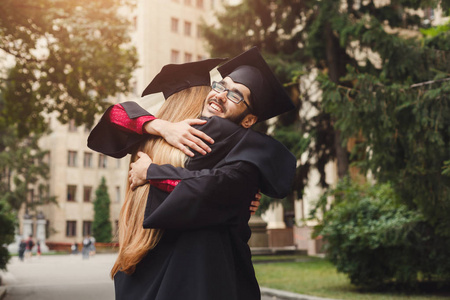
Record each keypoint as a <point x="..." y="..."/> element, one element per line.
<point x="336" y="58"/>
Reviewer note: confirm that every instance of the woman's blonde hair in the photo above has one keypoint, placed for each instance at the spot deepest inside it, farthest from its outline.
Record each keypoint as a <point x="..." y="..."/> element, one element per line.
<point x="134" y="240"/>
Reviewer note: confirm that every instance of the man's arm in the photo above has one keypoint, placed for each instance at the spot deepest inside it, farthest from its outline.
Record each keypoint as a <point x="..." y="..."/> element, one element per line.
<point x="138" y="176"/>
<point x="203" y="198"/>
<point x="223" y="192"/>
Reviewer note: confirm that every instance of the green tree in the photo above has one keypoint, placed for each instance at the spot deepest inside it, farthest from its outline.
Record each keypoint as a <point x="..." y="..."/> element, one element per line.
<point x="101" y="226"/>
<point x="23" y="166"/>
<point x="68" y="57"/>
<point x="58" y="57"/>
<point x="6" y="232"/>
<point x="383" y="74"/>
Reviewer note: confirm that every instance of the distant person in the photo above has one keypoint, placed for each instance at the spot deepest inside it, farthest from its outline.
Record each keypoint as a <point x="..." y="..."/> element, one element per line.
<point x="22" y="248"/>
<point x="92" y="249"/>
<point x="38" y="251"/>
<point x="86" y="247"/>
<point x="74" y="248"/>
<point x="29" y="247"/>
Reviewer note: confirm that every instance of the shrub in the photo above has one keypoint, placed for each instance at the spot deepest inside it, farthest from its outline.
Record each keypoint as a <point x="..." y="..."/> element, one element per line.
<point x="374" y="239"/>
<point x="6" y="232"/>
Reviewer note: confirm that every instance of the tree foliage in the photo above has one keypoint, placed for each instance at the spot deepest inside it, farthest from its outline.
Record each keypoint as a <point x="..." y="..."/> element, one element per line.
<point x="375" y="239"/>
<point x="6" y="232"/>
<point x="57" y="56"/>
<point x="64" y="56"/>
<point x="23" y="166"/>
<point x="101" y="226"/>
<point x="379" y="74"/>
<point x="401" y="112"/>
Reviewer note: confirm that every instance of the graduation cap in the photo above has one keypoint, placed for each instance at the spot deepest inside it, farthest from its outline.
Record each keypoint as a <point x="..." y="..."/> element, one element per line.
<point x="177" y="77"/>
<point x="268" y="95"/>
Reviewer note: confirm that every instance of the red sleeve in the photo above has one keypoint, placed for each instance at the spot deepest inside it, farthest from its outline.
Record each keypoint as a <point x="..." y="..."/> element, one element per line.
<point x="166" y="185"/>
<point x="119" y="116"/>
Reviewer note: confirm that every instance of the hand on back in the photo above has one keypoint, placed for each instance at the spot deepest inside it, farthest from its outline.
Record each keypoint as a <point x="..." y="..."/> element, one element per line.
<point x="137" y="175"/>
<point x="182" y="135"/>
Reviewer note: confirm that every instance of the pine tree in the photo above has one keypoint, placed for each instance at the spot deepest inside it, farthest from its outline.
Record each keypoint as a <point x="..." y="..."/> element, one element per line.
<point x="101" y="226"/>
<point x="382" y="74"/>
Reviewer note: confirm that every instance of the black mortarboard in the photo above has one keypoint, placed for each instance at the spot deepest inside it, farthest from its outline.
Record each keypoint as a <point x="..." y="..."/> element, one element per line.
<point x="268" y="95"/>
<point x="177" y="77"/>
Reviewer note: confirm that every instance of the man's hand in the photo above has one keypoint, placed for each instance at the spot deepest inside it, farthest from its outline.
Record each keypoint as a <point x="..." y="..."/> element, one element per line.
<point x="181" y="135"/>
<point x="137" y="175"/>
<point x="255" y="203"/>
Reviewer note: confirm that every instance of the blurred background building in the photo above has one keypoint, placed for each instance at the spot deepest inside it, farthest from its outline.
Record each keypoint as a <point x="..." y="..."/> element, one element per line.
<point x="164" y="32"/>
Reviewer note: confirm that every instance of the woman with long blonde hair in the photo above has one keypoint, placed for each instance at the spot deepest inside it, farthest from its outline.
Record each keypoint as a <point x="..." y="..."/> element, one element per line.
<point x="134" y="240"/>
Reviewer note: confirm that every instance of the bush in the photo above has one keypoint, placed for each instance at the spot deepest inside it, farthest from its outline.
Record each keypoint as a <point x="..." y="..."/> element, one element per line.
<point x="6" y="232"/>
<point x="375" y="240"/>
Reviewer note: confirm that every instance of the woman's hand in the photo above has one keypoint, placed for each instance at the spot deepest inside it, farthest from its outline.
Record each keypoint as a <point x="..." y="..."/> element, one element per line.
<point x="137" y="175"/>
<point x="181" y="135"/>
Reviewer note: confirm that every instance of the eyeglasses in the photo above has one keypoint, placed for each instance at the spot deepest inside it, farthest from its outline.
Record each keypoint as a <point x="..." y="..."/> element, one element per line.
<point x="232" y="96"/>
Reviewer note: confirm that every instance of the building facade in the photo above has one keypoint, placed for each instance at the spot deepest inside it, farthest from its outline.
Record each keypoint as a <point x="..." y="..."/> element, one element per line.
<point x="164" y="32"/>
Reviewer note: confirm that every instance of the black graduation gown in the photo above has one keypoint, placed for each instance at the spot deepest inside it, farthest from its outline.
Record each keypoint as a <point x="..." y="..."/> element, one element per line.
<point x="204" y="253"/>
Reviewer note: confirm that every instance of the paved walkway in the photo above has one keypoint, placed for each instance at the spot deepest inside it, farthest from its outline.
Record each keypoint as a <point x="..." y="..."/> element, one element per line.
<point x="68" y="277"/>
<point x="59" y="277"/>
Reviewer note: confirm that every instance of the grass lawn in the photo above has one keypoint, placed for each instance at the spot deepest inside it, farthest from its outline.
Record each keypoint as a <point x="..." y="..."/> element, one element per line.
<point x="318" y="277"/>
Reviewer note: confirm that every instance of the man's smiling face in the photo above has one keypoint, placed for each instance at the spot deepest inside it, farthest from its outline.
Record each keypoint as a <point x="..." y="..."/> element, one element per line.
<point x="217" y="104"/>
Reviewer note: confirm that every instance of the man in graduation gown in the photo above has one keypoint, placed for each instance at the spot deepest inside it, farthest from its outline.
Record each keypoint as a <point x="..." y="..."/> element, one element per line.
<point x="204" y="208"/>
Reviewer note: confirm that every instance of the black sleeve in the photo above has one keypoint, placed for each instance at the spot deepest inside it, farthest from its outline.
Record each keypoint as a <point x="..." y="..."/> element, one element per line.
<point x="112" y="140"/>
<point x="203" y="198"/>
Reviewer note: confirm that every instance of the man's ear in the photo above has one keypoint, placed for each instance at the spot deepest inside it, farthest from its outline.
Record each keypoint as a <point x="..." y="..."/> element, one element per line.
<point x="249" y="120"/>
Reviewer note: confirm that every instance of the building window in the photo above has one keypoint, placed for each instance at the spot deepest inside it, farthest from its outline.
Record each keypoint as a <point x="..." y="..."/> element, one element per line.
<point x="72" y="126"/>
<point x="174" y="56"/>
<point x="187" y="57"/>
<point x="200" y="57"/>
<point x="71" y="228"/>
<point x="102" y="162"/>
<point x="87" y="228"/>
<point x="187" y="28"/>
<point x="174" y="25"/>
<point x="118" y="194"/>
<point x="87" y="192"/>
<point x="200" y="3"/>
<point x="187" y="2"/>
<point x="71" y="192"/>
<point x="87" y="160"/>
<point x="116" y="232"/>
<point x="199" y="31"/>
<point x="72" y="158"/>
